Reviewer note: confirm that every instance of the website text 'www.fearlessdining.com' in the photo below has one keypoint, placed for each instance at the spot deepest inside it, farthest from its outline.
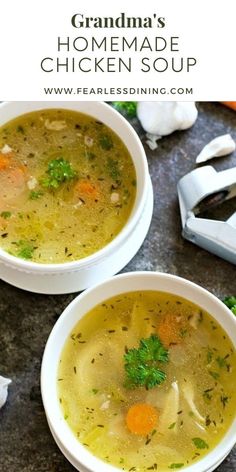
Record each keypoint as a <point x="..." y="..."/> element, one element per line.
<point x="117" y="91"/>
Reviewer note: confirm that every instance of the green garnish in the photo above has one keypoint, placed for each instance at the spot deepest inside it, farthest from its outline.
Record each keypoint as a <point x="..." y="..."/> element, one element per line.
<point x="215" y="375"/>
<point x="106" y="142"/>
<point x="230" y="302"/>
<point x="221" y="362"/>
<point x="172" y="425"/>
<point x="113" y="168"/>
<point x="176" y="466"/>
<point x="35" y="194"/>
<point x="59" y="171"/>
<point x="95" y="391"/>
<point x="25" y="249"/>
<point x="142" y="364"/>
<point x="126" y="108"/>
<point x="209" y="356"/>
<point x="6" y="214"/>
<point x="20" y="129"/>
<point x="200" y="443"/>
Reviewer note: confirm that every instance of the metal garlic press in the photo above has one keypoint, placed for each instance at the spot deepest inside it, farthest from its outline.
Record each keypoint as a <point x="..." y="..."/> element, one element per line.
<point x="202" y="189"/>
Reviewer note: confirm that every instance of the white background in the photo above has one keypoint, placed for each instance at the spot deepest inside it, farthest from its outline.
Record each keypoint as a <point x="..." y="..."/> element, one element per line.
<point x="29" y="31"/>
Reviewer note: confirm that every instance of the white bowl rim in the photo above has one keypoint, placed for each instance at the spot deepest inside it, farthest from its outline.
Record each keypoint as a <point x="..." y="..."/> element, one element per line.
<point x="128" y="227"/>
<point x="91" y="462"/>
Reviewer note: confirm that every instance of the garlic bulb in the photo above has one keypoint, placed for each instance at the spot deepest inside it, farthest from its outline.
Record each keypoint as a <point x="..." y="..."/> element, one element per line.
<point x="162" y="118"/>
<point x="3" y="390"/>
<point x="220" y="146"/>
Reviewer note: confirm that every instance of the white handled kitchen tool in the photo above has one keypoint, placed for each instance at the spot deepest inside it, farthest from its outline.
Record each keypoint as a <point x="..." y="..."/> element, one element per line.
<point x="200" y="189"/>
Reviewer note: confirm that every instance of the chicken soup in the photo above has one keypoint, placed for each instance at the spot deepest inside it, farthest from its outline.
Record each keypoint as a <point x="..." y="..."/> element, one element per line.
<point x="67" y="186"/>
<point x="146" y="381"/>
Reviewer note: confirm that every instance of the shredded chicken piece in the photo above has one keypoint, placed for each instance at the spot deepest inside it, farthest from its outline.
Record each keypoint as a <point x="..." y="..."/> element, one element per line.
<point x="170" y="412"/>
<point x="56" y="125"/>
<point x="188" y="392"/>
<point x="194" y="320"/>
<point x="32" y="182"/>
<point x="115" y="197"/>
<point x="105" y="405"/>
<point x="6" y="149"/>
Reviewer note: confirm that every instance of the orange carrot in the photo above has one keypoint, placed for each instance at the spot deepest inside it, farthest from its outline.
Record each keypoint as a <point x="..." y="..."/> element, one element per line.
<point x="230" y="105"/>
<point x="4" y="161"/>
<point x="170" y="329"/>
<point x="141" y="418"/>
<point x="16" y="176"/>
<point x="86" y="188"/>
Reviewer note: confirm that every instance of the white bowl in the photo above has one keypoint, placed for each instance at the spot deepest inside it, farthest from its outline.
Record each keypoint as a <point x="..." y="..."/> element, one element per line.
<point x="77" y="275"/>
<point x="78" y="455"/>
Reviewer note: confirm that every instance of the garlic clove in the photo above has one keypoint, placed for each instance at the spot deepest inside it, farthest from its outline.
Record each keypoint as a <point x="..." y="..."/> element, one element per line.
<point x="3" y="390"/>
<point x="162" y="118"/>
<point x="152" y="141"/>
<point x="220" y="146"/>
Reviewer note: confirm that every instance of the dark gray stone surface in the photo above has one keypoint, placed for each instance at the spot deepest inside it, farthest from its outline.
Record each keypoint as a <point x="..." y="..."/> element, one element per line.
<point x="26" y="319"/>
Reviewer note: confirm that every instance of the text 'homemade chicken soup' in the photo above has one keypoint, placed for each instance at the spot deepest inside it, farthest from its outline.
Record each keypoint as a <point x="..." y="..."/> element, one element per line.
<point x="146" y="381"/>
<point x="67" y="186"/>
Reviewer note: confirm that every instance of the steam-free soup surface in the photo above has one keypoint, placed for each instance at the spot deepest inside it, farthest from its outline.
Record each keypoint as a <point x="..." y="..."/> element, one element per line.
<point x="165" y="421"/>
<point x="67" y="186"/>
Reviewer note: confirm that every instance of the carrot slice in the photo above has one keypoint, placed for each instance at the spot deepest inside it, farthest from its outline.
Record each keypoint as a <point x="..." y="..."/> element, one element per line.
<point x="170" y="329"/>
<point x="230" y="105"/>
<point x="86" y="188"/>
<point x="4" y="161"/>
<point x="141" y="418"/>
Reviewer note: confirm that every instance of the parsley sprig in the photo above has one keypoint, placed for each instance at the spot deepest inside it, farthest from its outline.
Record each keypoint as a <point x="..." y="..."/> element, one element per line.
<point x="230" y="302"/>
<point x="128" y="109"/>
<point x="142" y="364"/>
<point x="59" y="171"/>
<point x="25" y="249"/>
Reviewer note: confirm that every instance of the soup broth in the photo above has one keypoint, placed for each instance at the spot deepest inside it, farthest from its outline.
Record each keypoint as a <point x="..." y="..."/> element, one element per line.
<point x="67" y="186"/>
<point x="138" y="427"/>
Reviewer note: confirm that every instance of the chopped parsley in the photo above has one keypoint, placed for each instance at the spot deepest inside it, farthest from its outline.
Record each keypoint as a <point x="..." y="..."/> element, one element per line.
<point x="5" y="214"/>
<point x="172" y="425"/>
<point x="200" y="443"/>
<point x="113" y="168"/>
<point x="176" y="466"/>
<point x="215" y="375"/>
<point x="221" y="362"/>
<point x="35" y="194"/>
<point x="209" y="356"/>
<point x="206" y="393"/>
<point x="20" y="129"/>
<point x="106" y="142"/>
<point x="59" y="171"/>
<point x="142" y="364"/>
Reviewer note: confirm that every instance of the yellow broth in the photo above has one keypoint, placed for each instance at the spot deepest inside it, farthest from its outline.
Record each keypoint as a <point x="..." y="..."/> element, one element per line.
<point x="67" y="186"/>
<point x="195" y="405"/>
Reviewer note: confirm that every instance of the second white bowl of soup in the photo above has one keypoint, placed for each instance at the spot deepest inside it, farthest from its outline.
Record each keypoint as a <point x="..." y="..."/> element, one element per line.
<point x="139" y="374"/>
<point x="75" y="194"/>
